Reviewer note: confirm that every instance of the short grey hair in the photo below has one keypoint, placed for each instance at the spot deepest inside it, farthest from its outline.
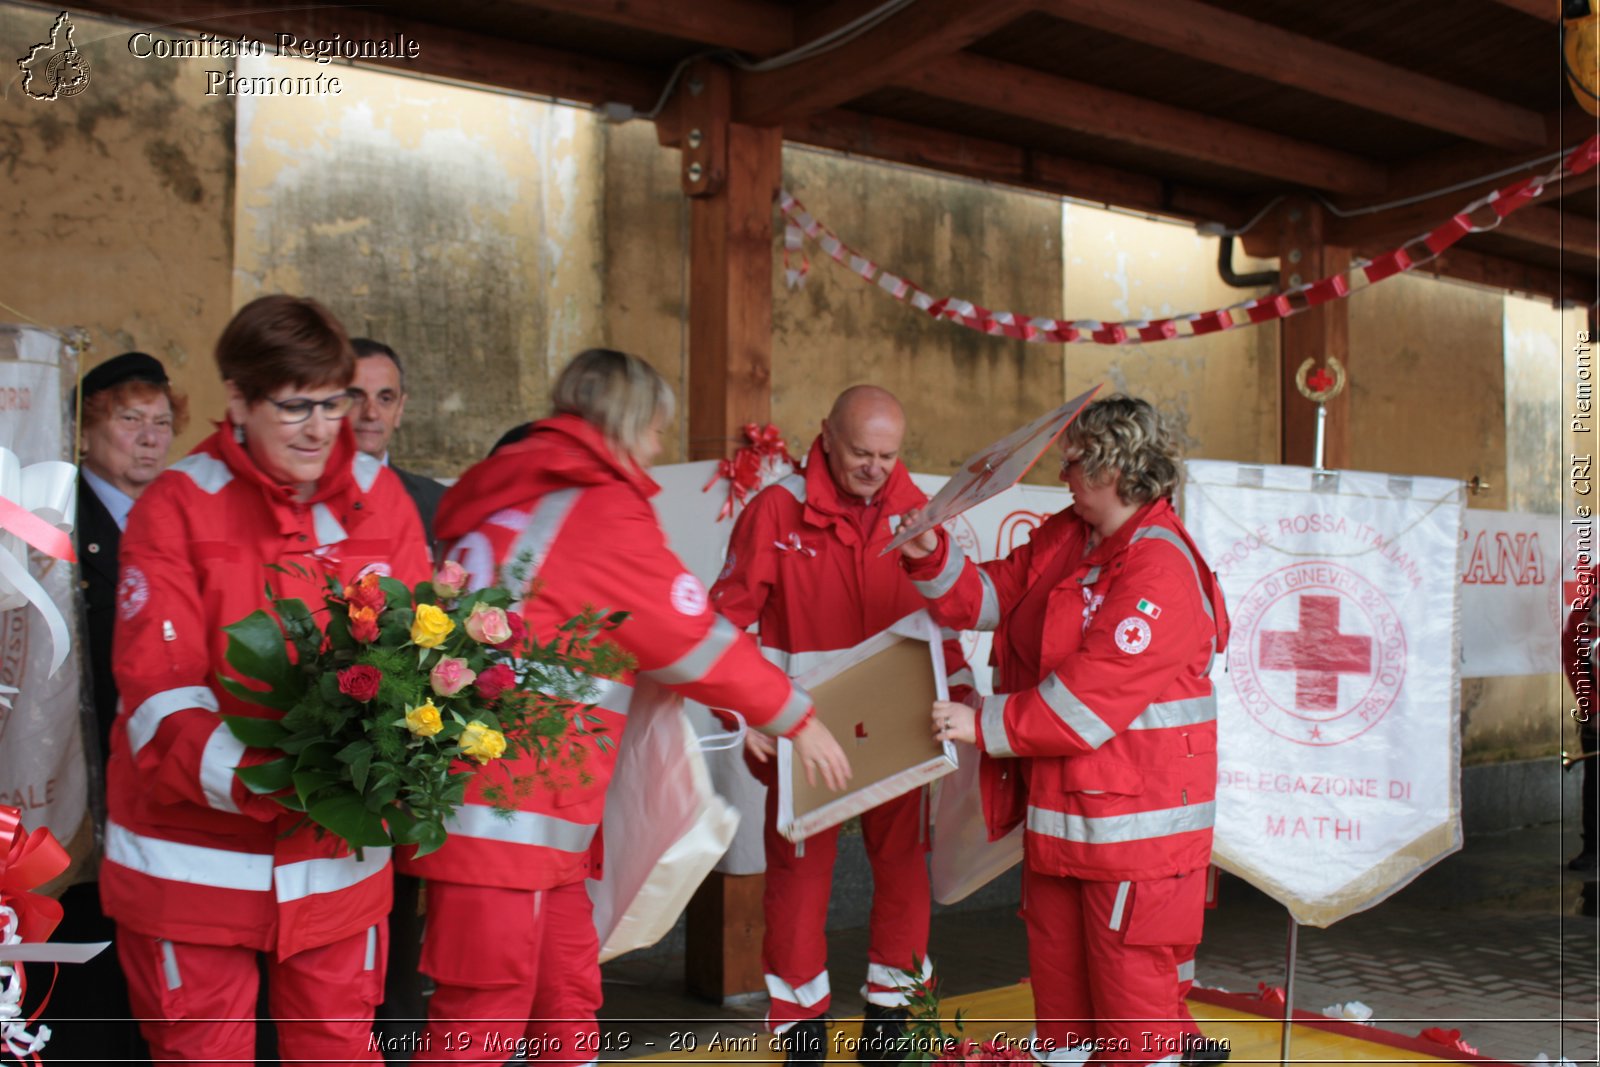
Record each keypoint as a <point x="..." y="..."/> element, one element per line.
<point x="618" y="394"/>
<point x="1127" y="436"/>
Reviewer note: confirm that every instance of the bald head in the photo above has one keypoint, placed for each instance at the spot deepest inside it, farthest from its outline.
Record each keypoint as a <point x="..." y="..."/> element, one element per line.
<point x="862" y="436"/>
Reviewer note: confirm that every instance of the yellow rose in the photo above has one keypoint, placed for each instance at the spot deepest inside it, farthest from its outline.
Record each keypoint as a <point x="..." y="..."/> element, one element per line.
<point x="424" y="720"/>
<point x="482" y="743"/>
<point x="431" y="626"/>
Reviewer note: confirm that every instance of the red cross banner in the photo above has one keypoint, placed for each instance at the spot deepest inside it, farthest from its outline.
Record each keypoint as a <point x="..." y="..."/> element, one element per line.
<point x="1338" y="698"/>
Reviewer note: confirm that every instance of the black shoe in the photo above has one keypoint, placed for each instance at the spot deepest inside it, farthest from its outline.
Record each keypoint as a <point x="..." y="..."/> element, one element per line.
<point x="1587" y="861"/>
<point x="882" y="1035"/>
<point x="805" y="1044"/>
<point x="1201" y="1050"/>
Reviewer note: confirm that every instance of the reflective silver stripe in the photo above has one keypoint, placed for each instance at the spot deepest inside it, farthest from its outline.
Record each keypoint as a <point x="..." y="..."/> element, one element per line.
<point x="948" y="634"/>
<point x="296" y="881"/>
<point x="365" y="468"/>
<point x="1091" y="575"/>
<point x="1161" y="533"/>
<point x="533" y="544"/>
<point x="1120" y="904"/>
<point x="194" y="864"/>
<point x="995" y="740"/>
<point x="794" y="485"/>
<point x="696" y="663"/>
<point x="607" y="693"/>
<point x="169" y="964"/>
<point x="148" y="717"/>
<point x="805" y="995"/>
<point x="989" y="606"/>
<point x="222" y="754"/>
<point x="794" y="664"/>
<point x="892" y="984"/>
<point x="521" y="828"/>
<point x="371" y="962"/>
<point x="963" y="677"/>
<point x="1191" y="711"/>
<point x="206" y="471"/>
<point x="1186" y="971"/>
<point x="1117" y="829"/>
<point x="941" y="583"/>
<point x="1073" y="712"/>
<point x="327" y="526"/>
<point x="794" y="709"/>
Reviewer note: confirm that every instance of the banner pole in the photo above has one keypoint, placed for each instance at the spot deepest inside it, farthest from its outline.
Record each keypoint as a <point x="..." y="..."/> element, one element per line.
<point x="1288" y="985"/>
<point x="1317" y="451"/>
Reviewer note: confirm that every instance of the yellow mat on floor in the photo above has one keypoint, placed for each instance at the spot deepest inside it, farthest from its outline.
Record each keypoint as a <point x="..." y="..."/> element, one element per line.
<point x="1252" y="1038"/>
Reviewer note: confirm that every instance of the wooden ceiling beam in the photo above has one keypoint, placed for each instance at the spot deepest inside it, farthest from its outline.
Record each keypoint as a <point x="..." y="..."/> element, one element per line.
<point x="913" y="37"/>
<point x="1499" y="272"/>
<point x="759" y="27"/>
<point x="1115" y="116"/>
<point x="1544" y="10"/>
<point x="444" y="52"/>
<point x="1266" y="51"/>
<point x="973" y="157"/>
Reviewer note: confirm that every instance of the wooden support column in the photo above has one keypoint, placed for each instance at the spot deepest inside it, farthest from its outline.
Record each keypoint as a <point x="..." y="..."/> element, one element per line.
<point x="1315" y="334"/>
<point x="731" y="173"/>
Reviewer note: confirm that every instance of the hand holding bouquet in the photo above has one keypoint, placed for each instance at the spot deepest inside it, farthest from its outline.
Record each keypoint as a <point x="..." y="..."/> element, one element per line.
<point x="372" y="701"/>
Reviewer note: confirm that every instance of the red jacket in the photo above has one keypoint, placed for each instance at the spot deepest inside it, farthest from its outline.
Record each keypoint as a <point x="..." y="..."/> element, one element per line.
<point x="563" y="501"/>
<point x="1111" y="712"/>
<point x="798" y="566"/>
<point x="191" y="855"/>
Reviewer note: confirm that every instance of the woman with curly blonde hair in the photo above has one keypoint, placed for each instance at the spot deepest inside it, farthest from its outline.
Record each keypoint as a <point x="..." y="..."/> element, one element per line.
<point x="1101" y="737"/>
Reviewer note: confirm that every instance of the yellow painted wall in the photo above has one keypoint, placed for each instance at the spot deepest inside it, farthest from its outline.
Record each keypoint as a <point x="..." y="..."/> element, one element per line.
<point x="460" y="227"/>
<point x="117" y="205"/>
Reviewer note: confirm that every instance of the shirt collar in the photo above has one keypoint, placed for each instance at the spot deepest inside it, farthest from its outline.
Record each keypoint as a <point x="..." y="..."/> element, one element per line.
<point x="117" y="503"/>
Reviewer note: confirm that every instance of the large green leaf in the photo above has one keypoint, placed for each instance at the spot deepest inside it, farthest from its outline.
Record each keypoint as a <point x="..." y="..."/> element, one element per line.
<point x="275" y="699"/>
<point x="256" y="649"/>
<point x="358" y="756"/>
<point x="301" y="627"/>
<point x="346" y="815"/>
<point x="264" y="778"/>
<point x="259" y="733"/>
<point x="307" y="783"/>
<point x="429" y="836"/>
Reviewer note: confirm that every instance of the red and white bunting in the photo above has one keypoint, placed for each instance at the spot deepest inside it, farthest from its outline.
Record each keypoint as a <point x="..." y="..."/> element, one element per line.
<point x="1481" y="215"/>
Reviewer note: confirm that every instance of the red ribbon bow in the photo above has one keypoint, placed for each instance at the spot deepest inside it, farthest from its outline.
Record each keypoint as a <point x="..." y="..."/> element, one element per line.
<point x="29" y="861"/>
<point x="743" y="471"/>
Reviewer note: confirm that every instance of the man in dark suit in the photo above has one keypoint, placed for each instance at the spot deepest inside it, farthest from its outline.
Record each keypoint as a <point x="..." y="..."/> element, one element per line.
<point x="380" y="392"/>
<point x="130" y="414"/>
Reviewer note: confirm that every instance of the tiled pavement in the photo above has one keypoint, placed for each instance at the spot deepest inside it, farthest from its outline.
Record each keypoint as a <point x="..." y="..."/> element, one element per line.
<point x="1487" y="942"/>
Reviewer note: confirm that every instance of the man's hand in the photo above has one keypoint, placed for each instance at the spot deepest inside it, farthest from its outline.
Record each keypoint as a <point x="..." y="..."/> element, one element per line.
<point x="954" y="722"/>
<point x="817" y="751"/>
<point x="924" y="544"/>
<point x="759" y="746"/>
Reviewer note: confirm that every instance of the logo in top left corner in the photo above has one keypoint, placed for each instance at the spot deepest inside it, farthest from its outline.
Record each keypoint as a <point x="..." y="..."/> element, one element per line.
<point x="55" y="68"/>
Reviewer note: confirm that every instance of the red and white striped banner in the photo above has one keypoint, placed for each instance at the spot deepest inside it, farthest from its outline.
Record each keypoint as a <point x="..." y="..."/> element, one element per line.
<point x="1481" y="215"/>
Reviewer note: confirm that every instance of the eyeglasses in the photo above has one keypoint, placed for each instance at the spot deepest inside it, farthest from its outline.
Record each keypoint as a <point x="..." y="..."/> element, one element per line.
<point x="299" y="408"/>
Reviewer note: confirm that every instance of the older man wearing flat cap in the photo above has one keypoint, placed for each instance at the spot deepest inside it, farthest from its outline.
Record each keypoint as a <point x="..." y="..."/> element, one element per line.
<point x="130" y="414"/>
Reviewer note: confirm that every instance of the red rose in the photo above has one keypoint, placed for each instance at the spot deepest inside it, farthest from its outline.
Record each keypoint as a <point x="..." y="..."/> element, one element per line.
<point x="366" y="594"/>
<point x="360" y="683"/>
<point x="519" y="630"/>
<point x="495" y="680"/>
<point x="363" y="624"/>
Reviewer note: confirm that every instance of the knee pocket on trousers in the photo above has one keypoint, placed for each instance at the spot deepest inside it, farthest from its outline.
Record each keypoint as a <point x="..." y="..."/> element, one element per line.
<point x="1167" y="911"/>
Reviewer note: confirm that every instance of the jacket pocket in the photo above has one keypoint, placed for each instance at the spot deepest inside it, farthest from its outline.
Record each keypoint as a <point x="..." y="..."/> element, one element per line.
<point x="1096" y="775"/>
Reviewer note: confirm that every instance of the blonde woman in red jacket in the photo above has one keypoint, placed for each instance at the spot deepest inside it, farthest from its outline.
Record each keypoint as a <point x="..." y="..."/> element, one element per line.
<point x="510" y="941"/>
<point x="1101" y="737"/>
<point x="201" y="875"/>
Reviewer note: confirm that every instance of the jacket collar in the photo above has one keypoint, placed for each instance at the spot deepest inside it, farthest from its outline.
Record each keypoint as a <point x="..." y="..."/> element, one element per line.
<point x="338" y="477"/>
<point x="1156" y="512"/>
<point x="826" y="503"/>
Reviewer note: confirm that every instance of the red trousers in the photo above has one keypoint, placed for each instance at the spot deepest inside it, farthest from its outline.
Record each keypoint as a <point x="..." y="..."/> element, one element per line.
<point x="516" y="972"/>
<point x="1110" y="963"/>
<point x="798" y="885"/>
<point x="198" y="1002"/>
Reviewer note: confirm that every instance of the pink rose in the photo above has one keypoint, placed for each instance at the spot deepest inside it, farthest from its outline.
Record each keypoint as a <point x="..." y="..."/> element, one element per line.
<point x="360" y="683"/>
<point x="450" y="676"/>
<point x="496" y="680"/>
<point x="450" y="580"/>
<point x="488" y="626"/>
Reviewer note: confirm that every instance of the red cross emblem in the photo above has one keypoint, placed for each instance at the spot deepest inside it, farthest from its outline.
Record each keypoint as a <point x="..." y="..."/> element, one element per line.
<point x="1317" y="652"/>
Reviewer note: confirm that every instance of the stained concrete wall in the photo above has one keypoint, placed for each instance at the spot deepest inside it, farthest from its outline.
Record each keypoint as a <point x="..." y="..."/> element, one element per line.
<point x="117" y="214"/>
<point x="460" y="227"/>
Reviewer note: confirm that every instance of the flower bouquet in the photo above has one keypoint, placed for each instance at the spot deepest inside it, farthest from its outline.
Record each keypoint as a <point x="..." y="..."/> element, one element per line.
<point x="384" y="690"/>
<point x="925" y="1040"/>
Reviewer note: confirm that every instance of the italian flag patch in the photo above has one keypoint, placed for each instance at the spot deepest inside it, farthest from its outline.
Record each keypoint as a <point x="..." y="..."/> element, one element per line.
<point x="1150" y="609"/>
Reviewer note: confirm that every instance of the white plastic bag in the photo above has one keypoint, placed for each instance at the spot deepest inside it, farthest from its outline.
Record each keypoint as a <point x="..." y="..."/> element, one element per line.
<point x="964" y="859"/>
<point x="665" y="827"/>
